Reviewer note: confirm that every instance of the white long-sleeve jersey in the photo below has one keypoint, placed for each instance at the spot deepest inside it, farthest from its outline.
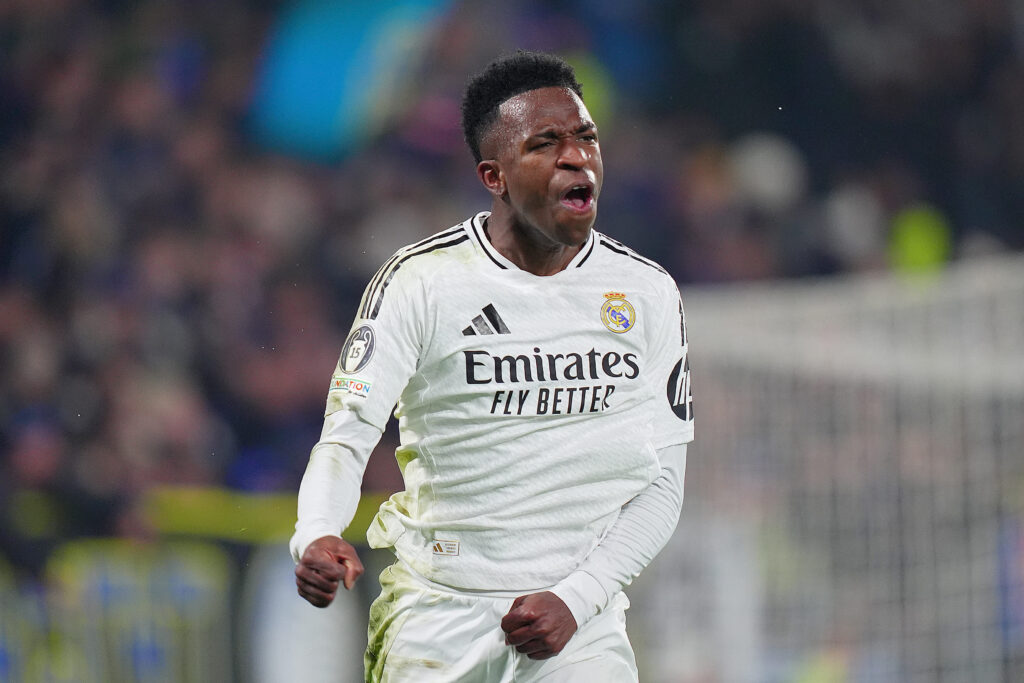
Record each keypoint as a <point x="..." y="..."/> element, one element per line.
<point x="531" y="411"/>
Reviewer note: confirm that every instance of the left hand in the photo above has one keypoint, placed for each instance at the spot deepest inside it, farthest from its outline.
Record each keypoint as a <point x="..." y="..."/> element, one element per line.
<point x="538" y="625"/>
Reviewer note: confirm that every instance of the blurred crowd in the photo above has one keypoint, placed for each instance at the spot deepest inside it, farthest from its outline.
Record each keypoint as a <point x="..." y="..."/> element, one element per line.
<point x="173" y="293"/>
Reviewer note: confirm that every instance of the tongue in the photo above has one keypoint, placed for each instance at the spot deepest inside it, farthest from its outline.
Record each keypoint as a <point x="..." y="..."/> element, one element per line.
<point x="576" y="199"/>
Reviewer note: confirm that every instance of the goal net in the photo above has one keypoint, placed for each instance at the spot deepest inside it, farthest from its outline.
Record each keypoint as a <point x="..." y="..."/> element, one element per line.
<point x="855" y="496"/>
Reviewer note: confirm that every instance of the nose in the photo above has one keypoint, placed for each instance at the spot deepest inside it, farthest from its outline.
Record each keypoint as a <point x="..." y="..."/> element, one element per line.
<point x="572" y="155"/>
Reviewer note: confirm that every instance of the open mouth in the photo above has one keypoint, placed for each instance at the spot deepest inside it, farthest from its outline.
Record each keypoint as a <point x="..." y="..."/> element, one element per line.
<point x="578" y="197"/>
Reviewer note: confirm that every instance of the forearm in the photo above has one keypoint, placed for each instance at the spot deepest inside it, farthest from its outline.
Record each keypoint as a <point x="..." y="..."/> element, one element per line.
<point x="329" y="493"/>
<point x="641" y="531"/>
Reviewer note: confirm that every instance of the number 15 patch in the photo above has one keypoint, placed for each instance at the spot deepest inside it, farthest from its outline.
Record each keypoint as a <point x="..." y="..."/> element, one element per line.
<point x="358" y="350"/>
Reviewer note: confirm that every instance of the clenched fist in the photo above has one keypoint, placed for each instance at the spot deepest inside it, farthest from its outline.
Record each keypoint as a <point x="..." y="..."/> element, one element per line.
<point x="538" y="625"/>
<point x="327" y="561"/>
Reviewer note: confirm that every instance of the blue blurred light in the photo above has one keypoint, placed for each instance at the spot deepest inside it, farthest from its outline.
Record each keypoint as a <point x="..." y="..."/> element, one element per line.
<point x="333" y="73"/>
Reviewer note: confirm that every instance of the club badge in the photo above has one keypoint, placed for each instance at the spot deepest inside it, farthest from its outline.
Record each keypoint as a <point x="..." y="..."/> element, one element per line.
<point x="617" y="314"/>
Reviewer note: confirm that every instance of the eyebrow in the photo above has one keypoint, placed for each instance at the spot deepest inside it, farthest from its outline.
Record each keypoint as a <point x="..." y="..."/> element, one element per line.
<point x="550" y="133"/>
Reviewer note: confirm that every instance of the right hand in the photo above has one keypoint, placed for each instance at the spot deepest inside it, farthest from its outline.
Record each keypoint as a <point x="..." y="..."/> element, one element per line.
<point x="327" y="561"/>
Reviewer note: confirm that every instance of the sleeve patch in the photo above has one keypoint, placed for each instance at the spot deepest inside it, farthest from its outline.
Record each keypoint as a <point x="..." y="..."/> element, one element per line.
<point x="349" y="385"/>
<point x="358" y="350"/>
<point x="680" y="394"/>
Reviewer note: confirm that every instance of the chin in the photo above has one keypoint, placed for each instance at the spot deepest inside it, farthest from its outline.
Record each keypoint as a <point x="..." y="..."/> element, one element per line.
<point x="580" y="223"/>
<point x="575" y="235"/>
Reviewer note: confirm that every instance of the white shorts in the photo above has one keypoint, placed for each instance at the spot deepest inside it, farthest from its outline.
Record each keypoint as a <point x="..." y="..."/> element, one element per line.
<point x="419" y="633"/>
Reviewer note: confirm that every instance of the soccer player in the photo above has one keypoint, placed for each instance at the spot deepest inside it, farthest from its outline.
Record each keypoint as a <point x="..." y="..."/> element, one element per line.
<point x="542" y="386"/>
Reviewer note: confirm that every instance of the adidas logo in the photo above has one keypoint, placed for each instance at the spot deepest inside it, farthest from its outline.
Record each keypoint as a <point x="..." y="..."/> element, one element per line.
<point x="450" y="548"/>
<point x="480" y="323"/>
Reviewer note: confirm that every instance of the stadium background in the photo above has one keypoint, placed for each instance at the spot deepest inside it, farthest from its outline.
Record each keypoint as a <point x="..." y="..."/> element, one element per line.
<point x="193" y="194"/>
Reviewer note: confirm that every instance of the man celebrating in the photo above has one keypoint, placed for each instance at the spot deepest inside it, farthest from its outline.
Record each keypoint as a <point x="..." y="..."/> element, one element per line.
<point x="542" y="386"/>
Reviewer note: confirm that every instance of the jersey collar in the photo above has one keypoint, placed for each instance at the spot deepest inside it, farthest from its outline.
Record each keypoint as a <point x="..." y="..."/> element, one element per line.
<point x="480" y="236"/>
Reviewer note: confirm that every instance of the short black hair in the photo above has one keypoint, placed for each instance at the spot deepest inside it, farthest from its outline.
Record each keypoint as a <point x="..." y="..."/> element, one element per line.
<point x="505" y="78"/>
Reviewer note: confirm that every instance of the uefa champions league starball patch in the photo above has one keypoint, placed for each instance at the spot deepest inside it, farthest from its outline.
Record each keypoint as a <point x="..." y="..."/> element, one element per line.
<point x="617" y="314"/>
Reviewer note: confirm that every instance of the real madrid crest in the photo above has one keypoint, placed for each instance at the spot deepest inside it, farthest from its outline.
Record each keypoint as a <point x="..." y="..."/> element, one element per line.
<point x="617" y="314"/>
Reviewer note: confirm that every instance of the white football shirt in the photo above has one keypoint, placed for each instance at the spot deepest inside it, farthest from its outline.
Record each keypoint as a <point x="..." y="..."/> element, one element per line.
<point x="530" y="408"/>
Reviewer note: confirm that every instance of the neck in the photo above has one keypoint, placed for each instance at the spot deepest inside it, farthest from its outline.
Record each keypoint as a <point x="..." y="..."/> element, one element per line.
<point x="526" y="247"/>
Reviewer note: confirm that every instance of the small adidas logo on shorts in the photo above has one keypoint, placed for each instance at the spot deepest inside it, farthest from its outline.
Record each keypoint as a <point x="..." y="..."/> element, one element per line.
<point x="446" y="547"/>
<point x="480" y="323"/>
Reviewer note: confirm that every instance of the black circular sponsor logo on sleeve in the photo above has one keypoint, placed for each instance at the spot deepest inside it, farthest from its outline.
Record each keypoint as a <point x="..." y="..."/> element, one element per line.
<point x="358" y="350"/>
<point x="680" y="395"/>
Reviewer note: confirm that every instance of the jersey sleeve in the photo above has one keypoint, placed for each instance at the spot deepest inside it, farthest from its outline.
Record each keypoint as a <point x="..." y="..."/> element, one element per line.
<point x="377" y="359"/>
<point x="383" y="347"/>
<point x="329" y="492"/>
<point x="642" y="529"/>
<point x="672" y="413"/>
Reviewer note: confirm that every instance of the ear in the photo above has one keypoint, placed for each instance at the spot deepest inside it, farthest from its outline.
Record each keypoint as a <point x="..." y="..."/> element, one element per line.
<point x="490" y="174"/>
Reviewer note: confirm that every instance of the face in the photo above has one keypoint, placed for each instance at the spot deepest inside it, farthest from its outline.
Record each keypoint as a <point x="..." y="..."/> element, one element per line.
<point x="545" y="165"/>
